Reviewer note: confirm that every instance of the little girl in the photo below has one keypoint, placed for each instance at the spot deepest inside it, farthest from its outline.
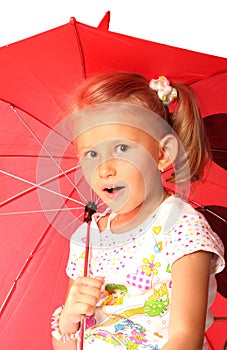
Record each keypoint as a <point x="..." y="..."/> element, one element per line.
<point x="153" y="257"/>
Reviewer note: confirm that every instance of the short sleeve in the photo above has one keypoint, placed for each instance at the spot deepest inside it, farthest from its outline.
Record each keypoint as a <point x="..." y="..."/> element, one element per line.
<point x="192" y="234"/>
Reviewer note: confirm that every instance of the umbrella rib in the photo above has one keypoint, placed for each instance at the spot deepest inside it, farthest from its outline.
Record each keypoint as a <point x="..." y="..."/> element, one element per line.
<point x="41" y="211"/>
<point x="25" y="265"/>
<point x="91" y="191"/>
<point x="20" y="194"/>
<point x="46" y="150"/>
<point x="71" y="223"/>
<point x="205" y="209"/>
<point x="91" y="194"/>
<point x="31" y="156"/>
<point x="41" y="187"/>
<point x="34" y="117"/>
<point x="208" y="210"/>
<point x="216" y="215"/>
<point x="208" y="76"/>
<point x="80" y="50"/>
<point x="22" y="270"/>
<point x="219" y="150"/>
<point x="99" y="204"/>
<point x="220" y="318"/>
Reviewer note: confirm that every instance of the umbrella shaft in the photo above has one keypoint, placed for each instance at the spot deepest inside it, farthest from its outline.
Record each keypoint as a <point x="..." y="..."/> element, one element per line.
<point x="82" y="331"/>
<point x="86" y="270"/>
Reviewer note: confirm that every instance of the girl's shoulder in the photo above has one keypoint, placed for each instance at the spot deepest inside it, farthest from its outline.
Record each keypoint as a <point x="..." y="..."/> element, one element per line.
<point x="188" y="231"/>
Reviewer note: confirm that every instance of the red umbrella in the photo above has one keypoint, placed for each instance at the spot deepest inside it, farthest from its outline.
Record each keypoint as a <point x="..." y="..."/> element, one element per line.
<point x="38" y="78"/>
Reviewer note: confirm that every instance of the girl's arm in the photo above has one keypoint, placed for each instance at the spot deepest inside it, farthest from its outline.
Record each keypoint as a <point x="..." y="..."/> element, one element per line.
<point x="59" y="345"/>
<point x="190" y="283"/>
<point x="81" y="299"/>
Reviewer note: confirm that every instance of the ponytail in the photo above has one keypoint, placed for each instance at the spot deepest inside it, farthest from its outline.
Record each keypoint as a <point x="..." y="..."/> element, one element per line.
<point x="187" y="123"/>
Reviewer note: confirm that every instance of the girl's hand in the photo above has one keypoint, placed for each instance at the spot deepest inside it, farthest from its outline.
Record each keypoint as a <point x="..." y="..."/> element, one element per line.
<point x="82" y="298"/>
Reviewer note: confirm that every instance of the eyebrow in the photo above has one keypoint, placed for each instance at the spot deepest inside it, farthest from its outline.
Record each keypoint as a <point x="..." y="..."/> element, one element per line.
<point x="84" y="148"/>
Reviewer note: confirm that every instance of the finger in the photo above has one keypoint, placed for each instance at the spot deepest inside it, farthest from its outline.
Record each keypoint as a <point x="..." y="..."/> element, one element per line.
<point x="90" y="298"/>
<point x="100" y="278"/>
<point x="74" y="312"/>
<point x="81" y="289"/>
<point x="85" y="294"/>
<point x="87" y="290"/>
<point x="82" y="309"/>
<point x="89" y="281"/>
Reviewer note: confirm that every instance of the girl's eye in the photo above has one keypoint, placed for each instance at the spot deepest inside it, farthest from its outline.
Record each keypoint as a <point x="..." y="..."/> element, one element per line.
<point x="91" y="154"/>
<point x="122" y="148"/>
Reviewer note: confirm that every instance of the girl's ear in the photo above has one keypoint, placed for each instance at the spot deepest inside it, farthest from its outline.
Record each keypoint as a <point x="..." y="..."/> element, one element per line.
<point x="167" y="152"/>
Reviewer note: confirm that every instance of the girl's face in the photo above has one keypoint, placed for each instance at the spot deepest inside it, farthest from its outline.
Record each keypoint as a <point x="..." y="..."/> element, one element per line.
<point x="120" y="163"/>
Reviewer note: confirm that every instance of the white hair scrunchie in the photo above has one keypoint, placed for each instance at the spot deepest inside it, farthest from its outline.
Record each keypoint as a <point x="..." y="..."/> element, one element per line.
<point x="165" y="91"/>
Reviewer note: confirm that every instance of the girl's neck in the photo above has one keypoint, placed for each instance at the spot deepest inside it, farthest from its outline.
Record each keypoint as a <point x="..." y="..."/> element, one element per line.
<point x="124" y="222"/>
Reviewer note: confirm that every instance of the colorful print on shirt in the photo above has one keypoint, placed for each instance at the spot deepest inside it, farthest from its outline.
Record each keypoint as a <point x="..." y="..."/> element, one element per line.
<point x="135" y="313"/>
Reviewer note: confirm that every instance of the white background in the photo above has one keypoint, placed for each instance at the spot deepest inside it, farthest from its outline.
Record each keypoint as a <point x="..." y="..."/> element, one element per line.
<point x="199" y="25"/>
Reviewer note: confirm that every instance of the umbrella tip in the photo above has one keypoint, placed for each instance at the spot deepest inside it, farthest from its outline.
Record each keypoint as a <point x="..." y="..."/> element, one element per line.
<point x="104" y="24"/>
<point x="73" y="20"/>
<point x="90" y="209"/>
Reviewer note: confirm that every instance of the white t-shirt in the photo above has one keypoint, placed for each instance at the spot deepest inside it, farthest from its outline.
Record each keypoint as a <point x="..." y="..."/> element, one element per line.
<point x="137" y="269"/>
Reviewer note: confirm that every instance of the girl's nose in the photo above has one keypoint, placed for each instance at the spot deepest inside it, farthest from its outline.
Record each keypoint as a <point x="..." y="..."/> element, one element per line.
<point x="107" y="169"/>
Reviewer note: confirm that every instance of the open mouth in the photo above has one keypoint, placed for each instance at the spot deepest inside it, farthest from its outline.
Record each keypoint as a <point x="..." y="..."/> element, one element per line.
<point x="113" y="189"/>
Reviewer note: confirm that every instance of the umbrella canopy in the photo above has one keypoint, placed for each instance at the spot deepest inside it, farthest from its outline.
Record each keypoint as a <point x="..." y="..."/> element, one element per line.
<point x="38" y="77"/>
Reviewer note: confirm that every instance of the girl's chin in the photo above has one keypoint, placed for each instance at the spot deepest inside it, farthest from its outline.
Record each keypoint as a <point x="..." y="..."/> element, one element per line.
<point x="123" y="209"/>
<point x="117" y="208"/>
<point x="116" y="204"/>
<point x="121" y="204"/>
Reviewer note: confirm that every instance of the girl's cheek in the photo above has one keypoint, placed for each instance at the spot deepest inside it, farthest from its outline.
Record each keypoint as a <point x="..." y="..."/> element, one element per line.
<point x="89" y="172"/>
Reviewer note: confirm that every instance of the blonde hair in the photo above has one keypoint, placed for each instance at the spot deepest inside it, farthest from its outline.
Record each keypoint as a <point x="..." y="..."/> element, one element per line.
<point x="185" y="120"/>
